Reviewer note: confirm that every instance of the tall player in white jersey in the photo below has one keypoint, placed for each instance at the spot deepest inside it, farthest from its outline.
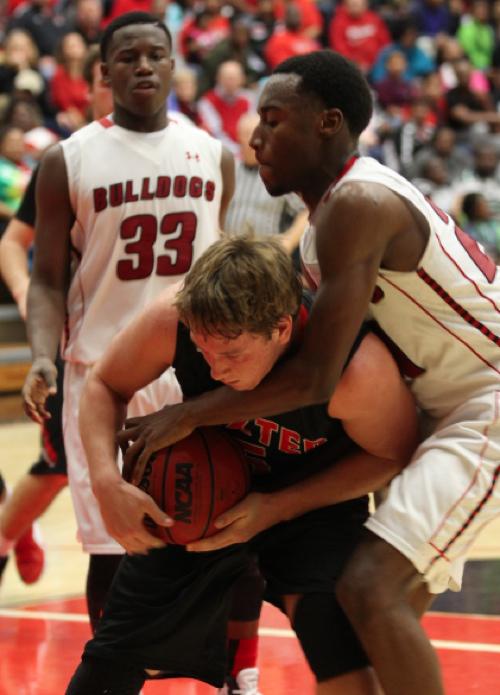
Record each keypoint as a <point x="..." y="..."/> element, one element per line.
<point x="377" y="246"/>
<point x="124" y="207"/>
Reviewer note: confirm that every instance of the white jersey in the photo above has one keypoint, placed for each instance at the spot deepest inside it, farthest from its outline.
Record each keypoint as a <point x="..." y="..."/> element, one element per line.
<point x="444" y="316"/>
<point x="146" y="207"/>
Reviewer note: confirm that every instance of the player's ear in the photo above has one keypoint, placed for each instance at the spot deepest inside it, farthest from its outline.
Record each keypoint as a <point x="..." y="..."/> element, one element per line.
<point x="284" y="329"/>
<point x="331" y="122"/>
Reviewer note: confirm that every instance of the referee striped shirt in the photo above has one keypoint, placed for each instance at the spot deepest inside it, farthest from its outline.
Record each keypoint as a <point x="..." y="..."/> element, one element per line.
<point x="253" y="210"/>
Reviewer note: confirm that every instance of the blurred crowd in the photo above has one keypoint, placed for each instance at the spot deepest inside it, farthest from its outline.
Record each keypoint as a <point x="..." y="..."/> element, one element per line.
<point x="433" y="65"/>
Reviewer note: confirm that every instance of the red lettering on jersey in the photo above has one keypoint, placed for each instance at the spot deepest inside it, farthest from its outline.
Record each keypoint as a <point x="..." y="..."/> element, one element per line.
<point x="130" y="196"/>
<point x="180" y="186"/>
<point x="241" y="426"/>
<point x="289" y="441"/>
<point x="100" y="199"/>
<point x="130" y="192"/>
<point x="163" y="186"/>
<point x="266" y="428"/>
<point x="313" y="443"/>
<point x="196" y="187"/>
<point x="116" y="194"/>
<point x="146" y="193"/>
<point x="209" y="190"/>
<point x="180" y="231"/>
<point x="141" y="230"/>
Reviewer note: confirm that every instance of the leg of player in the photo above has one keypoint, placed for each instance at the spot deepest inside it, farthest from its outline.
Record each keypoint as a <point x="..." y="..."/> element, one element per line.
<point x="100" y="574"/>
<point x="34" y="493"/>
<point x="323" y="632"/>
<point x="243" y="639"/>
<point x="384" y="598"/>
<point x="31" y="496"/>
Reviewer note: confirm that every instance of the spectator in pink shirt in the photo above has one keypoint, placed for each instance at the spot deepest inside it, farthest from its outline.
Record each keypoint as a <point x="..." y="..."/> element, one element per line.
<point x="358" y="33"/>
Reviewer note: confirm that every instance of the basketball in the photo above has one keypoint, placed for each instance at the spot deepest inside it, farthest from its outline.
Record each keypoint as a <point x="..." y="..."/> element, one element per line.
<point x="194" y="481"/>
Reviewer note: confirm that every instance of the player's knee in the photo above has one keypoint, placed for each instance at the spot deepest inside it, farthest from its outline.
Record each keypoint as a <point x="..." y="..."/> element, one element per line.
<point x="328" y="640"/>
<point x="376" y="579"/>
<point x="361" y="591"/>
<point x="248" y="593"/>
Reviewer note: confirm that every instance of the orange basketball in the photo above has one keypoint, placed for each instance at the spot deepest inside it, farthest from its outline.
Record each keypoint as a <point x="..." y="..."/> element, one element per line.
<point x="194" y="481"/>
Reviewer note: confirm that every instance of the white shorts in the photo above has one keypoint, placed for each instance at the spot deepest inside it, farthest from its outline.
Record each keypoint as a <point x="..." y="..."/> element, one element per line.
<point x="450" y="490"/>
<point x="91" y="530"/>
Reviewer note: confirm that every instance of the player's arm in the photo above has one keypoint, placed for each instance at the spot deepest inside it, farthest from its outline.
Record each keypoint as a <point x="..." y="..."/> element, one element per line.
<point x="49" y="280"/>
<point x="14" y="246"/>
<point x="228" y="183"/>
<point x="140" y="353"/>
<point x="291" y="237"/>
<point x="378" y="413"/>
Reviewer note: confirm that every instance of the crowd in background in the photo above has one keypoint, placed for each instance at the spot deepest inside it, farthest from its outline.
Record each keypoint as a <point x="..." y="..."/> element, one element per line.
<point x="433" y="65"/>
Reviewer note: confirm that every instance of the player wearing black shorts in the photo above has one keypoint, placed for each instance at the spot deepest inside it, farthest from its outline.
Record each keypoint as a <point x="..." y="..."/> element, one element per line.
<point x="47" y="476"/>
<point x="167" y="610"/>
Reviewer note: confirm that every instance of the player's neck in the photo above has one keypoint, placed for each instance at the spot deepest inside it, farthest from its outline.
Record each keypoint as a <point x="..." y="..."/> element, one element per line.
<point x="329" y="172"/>
<point x="141" y="124"/>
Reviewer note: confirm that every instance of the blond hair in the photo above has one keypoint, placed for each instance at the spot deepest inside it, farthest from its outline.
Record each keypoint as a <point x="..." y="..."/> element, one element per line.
<point x="240" y="285"/>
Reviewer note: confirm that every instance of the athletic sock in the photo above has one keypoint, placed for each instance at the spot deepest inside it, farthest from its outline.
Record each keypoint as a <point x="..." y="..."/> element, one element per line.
<point x="243" y="654"/>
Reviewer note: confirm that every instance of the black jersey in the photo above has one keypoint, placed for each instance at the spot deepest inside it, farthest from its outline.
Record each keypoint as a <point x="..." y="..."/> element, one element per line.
<point x="27" y="210"/>
<point x="285" y="447"/>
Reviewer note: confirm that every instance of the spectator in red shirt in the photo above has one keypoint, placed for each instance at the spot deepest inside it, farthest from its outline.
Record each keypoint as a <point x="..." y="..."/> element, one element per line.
<point x="311" y="22"/>
<point x="69" y="90"/>
<point x="358" y="33"/>
<point x="289" y="40"/>
<point x="222" y="107"/>
<point x="201" y="31"/>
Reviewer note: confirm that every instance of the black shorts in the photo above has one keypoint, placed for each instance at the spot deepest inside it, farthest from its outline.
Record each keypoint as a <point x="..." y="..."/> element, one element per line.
<point x="168" y="610"/>
<point x="52" y="458"/>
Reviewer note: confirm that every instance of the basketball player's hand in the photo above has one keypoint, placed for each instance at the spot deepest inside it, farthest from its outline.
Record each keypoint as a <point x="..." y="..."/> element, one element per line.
<point x="141" y="437"/>
<point x="255" y="513"/>
<point x="40" y="383"/>
<point x="123" y="508"/>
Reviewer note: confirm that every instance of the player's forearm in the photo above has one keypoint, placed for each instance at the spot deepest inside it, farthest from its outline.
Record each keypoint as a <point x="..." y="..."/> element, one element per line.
<point x="286" y="388"/>
<point x="45" y="320"/>
<point x="290" y="238"/>
<point x="14" y="267"/>
<point x="353" y="476"/>
<point x="101" y="415"/>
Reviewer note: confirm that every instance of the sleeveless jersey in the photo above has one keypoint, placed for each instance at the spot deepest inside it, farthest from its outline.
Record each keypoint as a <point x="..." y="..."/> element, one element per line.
<point x="284" y="448"/>
<point x="146" y="207"/>
<point x="444" y="316"/>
